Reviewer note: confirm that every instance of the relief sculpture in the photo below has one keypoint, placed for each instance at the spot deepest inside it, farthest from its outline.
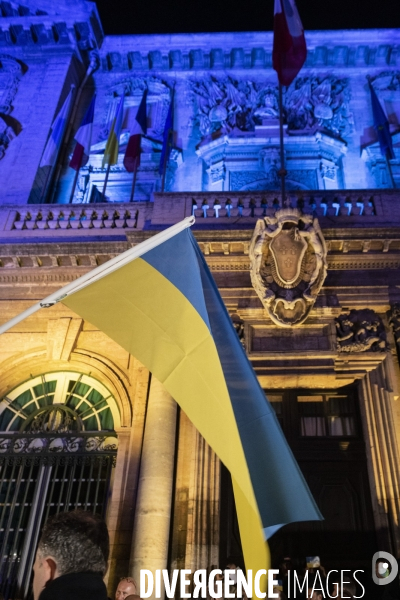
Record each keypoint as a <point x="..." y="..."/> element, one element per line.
<point x="360" y="331"/>
<point x="11" y="71"/>
<point x="288" y="264"/>
<point x="310" y="104"/>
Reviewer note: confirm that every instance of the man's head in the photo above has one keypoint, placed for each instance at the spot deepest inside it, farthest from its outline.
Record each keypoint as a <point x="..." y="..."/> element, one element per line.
<point x="316" y="595"/>
<point x="126" y="587"/>
<point x="71" y="542"/>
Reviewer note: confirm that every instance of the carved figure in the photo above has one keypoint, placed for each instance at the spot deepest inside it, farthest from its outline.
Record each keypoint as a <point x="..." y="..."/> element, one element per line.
<point x="270" y="161"/>
<point x="270" y="107"/>
<point x="238" y="324"/>
<point x="288" y="264"/>
<point x="360" y="331"/>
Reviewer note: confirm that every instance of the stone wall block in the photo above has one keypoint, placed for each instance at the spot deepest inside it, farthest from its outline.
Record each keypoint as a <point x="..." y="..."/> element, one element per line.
<point x="382" y="55"/>
<point x="60" y="32"/>
<point x="237" y="55"/>
<point x="258" y="57"/>
<point x="341" y="55"/>
<point x="39" y="34"/>
<point x="155" y="59"/>
<point x="320" y="56"/>
<point x="196" y="59"/>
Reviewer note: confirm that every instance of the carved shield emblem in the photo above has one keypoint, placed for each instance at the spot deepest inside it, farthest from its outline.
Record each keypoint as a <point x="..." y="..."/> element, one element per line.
<point x="288" y="250"/>
<point x="288" y="264"/>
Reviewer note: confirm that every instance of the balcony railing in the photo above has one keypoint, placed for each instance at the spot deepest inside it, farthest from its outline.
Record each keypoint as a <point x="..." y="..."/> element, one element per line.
<point x="50" y="221"/>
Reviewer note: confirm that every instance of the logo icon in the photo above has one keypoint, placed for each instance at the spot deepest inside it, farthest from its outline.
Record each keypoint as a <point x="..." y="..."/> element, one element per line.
<point x="384" y="568"/>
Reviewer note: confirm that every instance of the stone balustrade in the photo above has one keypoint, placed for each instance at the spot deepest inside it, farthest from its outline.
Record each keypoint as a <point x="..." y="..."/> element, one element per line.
<point x="338" y="208"/>
<point x="251" y="205"/>
<point x="59" y="217"/>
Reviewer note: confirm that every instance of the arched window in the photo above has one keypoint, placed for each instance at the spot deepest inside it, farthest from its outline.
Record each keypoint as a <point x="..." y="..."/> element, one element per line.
<point x="57" y="449"/>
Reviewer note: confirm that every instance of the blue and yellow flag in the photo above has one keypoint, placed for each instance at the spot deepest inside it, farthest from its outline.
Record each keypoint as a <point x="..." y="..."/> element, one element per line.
<point x="165" y="309"/>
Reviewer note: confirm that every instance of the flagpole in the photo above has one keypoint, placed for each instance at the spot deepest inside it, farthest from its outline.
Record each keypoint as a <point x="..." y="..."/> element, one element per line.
<point x="282" y="170"/>
<point x="165" y="165"/>
<point x="389" y="166"/>
<point x="105" y="181"/>
<point x="169" y="140"/>
<point x="133" y="181"/>
<point x="74" y="186"/>
<point x="101" y="271"/>
<point x="43" y="193"/>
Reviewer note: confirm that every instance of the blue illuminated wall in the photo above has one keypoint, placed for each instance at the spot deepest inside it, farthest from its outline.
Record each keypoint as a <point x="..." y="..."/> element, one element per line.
<point x="226" y="110"/>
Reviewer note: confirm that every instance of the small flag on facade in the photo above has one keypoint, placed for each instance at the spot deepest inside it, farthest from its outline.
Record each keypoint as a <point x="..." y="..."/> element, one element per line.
<point x="167" y="137"/>
<point x="381" y="125"/>
<point x="83" y="138"/>
<point x="111" y="150"/>
<point x="289" y="51"/>
<point x="53" y="145"/>
<point x="139" y="128"/>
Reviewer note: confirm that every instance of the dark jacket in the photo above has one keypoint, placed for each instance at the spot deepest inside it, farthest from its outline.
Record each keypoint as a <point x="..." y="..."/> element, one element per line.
<point x="76" y="586"/>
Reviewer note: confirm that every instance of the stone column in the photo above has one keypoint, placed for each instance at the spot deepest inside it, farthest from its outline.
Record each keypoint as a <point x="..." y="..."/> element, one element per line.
<point x="376" y="395"/>
<point x="153" y="507"/>
<point x="202" y="542"/>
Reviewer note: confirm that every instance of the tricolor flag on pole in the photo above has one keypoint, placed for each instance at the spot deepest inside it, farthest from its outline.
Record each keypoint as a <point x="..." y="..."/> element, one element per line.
<point x="381" y="125"/>
<point x="167" y="137"/>
<point x="53" y="145"/>
<point x="138" y="128"/>
<point x="110" y="156"/>
<point x="289" y="51"/>
<point x="159" y="301"/>
<point x="83" y="138"/>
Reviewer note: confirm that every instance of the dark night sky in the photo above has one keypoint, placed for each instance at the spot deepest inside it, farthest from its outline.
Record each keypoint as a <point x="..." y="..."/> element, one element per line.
<point x="190" y="16"/>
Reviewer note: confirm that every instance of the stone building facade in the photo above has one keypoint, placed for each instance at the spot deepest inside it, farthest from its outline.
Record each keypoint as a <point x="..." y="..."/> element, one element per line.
<point x="318" y="311"/>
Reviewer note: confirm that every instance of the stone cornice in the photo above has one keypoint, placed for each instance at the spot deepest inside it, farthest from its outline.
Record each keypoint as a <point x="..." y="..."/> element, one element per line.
<point x="248" y="50"/>
<point x="55" y="31"/>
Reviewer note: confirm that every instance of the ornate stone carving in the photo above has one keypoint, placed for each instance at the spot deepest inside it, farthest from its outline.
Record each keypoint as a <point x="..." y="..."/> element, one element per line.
<point x="226" y="104"/>
<point x="319" y="103"/>
<point x="310" y="104"/>
<point x="53" y="444"/>
<point x="11" y="71"/>
<point x="297" y="179"/>
<point x="387" y="80"/>
<point x="360" y="331"/>
<point x="238" y="324"/>
<point x="288" y="264"/>
<point x="159" y="95"/>
<point x="394" y="321"/>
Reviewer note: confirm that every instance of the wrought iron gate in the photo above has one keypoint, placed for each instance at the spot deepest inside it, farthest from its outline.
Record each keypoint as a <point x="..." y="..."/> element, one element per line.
<point x="52" y="465"/>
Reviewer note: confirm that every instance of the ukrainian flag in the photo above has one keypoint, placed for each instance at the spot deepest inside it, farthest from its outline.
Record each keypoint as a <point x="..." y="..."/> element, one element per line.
<point x="110" y="156"/>
<point x="159" y="301"/>
<point x="165" y="309"/>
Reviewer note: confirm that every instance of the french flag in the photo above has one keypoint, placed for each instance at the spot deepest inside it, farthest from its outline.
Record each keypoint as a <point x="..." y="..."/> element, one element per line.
<point x="54" y="142"/>
<point x="289" y="51"/>
<point x="83" y="138"/>
<point x="139" y="128"/>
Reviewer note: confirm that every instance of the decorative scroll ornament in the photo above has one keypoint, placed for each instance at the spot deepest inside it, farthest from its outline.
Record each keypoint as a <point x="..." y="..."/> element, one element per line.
<point x="288" y="264"/>
<point x="360" y="331"/>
